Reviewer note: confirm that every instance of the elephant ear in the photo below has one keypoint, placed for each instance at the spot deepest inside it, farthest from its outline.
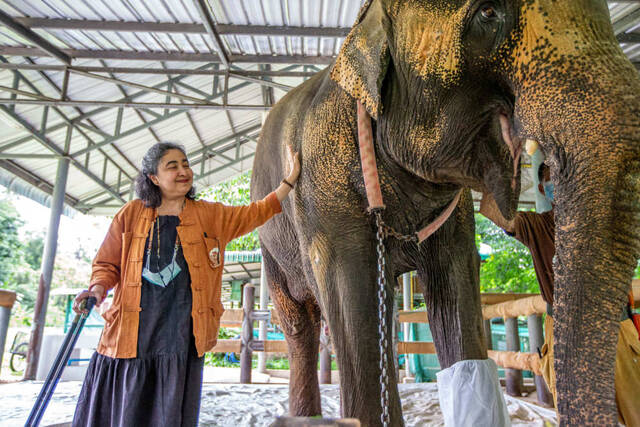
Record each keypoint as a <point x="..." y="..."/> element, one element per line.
<point x="364" y="56"/>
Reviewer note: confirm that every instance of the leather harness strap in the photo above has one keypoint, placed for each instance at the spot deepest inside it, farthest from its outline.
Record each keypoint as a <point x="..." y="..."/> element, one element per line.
<point x="368" y="159"/>
<point x="372" y="180"/>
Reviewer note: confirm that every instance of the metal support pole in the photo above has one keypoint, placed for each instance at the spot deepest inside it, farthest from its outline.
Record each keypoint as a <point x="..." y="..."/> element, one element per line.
<point x="407" y="305"/>
<point x="262" y="325"/>
<point x="48" y="261"/>
<point x="325" y="355"/>
<point x="513" y="376"/>
<point x="247" y="334"/>
<point x="7" y="298"/>
<point x="487" y="334"/>
<point x="536" y="339"/>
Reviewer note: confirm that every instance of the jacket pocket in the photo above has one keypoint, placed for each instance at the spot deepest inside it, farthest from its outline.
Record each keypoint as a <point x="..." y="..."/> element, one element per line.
<point x="214" y="252"/>
<point x="110" y="331"/>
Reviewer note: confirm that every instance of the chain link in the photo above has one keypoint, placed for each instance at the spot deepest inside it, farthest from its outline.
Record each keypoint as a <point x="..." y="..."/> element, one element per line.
<point x="382" y="320"/>
<point x="388" y="231"/>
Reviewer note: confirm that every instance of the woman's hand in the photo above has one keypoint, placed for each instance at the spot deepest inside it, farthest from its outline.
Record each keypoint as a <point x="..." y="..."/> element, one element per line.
<point x="96" y="291"/>
<point x="293" y="166"/>
<point x="293" y="160"/>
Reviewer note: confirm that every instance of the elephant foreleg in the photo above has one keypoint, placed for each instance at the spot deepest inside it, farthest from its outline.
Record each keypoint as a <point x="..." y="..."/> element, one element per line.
<point x="449" y="279"/>
<point x="347" y="290"/>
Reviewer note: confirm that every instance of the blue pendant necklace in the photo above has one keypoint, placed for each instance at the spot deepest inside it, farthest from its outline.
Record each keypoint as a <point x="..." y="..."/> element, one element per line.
<point x="162" y="277"/>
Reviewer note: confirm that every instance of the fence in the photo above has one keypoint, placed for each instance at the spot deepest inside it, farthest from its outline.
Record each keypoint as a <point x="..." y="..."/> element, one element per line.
<point x="507" y="306"/>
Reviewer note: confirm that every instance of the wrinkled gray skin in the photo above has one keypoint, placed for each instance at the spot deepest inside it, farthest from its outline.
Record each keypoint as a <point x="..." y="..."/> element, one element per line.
<point x="438" y="78"/>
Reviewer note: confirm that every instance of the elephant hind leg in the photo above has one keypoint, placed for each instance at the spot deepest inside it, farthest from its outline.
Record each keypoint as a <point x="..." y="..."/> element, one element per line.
<point x="300" y="321"/>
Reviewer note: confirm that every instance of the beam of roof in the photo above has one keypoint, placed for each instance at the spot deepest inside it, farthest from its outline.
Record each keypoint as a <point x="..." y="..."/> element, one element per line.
<point x="197" y="157"/>
<point x="218" y="169"/>
<point x="95" y="111"/>
<point x="85" y="116"/>
<point x="36" y="181"/>
<point x="77" y="125"/>
<point x="129" y="131"/>
<point x="134" y="85"/>
<point x="27" y="156"/>
<point x="633" y="38"/>
<point x="146" y="125"/>
<point x="25" y="93"/>
<point x="40" y="137"/>
<point x="210" y="25"/>
<point x="163" y="71"/>
<point x="626" y="22"/>
<point x="262" y="82"/>
<point x="181" y="28"/>
<point x="138" y="113"/>
<point x="34" y="38"/>
<point x="170" y="56"/>
<point x="141" y="105"/>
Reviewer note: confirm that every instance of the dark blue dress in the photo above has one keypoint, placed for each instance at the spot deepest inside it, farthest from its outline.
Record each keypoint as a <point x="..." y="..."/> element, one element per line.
<point x="162" y="385"/>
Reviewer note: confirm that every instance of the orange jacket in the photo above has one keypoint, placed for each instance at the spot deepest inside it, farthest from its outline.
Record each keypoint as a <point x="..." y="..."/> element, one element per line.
<point x="119" y="261"/>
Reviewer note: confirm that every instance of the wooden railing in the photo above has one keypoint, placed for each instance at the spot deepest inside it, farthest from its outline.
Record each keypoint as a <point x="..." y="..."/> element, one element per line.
<point x="507" y="306"/>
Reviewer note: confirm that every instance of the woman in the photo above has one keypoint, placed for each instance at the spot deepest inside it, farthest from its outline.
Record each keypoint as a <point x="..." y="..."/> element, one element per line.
<point x="163" y="259"/>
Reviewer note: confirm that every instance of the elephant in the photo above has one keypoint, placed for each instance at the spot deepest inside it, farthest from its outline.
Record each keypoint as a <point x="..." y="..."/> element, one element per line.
<point x="454" y="88"/>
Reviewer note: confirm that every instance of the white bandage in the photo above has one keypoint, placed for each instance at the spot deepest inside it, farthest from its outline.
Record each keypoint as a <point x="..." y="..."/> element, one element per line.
<point x="470" y="395"/>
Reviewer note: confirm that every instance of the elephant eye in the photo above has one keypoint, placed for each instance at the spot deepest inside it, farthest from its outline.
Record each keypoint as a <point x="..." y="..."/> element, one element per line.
<point x="488" y="11"/>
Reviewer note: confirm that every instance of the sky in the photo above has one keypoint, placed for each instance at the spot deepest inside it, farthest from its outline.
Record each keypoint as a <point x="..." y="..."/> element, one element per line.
<point x="81" y="231"/>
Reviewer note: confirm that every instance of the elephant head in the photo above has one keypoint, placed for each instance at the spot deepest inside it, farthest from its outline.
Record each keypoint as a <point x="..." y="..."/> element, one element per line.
<point x="420" y="69"/>
<point x="457" y="86"/>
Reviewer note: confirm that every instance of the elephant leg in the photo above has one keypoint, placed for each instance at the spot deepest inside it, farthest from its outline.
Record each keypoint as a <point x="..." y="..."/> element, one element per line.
<point x="345" y="275"/>
<point x="449" y="277"/>
<point x="300" y="322"/>
<point x="450" y="282"/>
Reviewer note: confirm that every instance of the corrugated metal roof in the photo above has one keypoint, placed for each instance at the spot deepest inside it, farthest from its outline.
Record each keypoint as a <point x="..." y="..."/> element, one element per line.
<point x="290" y="35"/>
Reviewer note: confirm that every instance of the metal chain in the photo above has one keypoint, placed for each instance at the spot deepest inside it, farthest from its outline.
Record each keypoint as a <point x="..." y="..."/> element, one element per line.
<point x="387" y="230"/>
<point x="382" y="321"/>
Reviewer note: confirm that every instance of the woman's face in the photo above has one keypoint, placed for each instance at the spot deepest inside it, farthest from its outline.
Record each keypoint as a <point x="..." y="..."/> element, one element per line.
<point x="174" y="177"/>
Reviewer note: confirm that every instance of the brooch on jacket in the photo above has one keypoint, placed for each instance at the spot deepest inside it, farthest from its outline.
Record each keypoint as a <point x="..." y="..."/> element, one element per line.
<point x="214" y="257"/>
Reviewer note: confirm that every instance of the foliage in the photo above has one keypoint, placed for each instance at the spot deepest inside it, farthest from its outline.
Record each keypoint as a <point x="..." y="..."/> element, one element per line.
<point x="10" y="244"/>
<point x="33" y="250"/>
<point x="510" y="267"/>
<point x="15" y="273"/>
<point x="20" y="262"/>
<point x="234" y="191"/>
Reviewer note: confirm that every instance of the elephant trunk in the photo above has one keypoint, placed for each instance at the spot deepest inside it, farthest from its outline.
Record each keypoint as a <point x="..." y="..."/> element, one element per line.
<point x="591" y="138"/>
<point x="596" y="252"/>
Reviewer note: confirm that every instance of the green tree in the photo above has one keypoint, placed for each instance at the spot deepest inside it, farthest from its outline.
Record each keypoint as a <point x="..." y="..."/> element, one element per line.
<point x="509" y="268"/>
<point x="15" y="273"/>
<point x="11" y="247"/>
<point x="234" y="191"/>
<point x="20" y="261"/>
<point x="33" y="250"/>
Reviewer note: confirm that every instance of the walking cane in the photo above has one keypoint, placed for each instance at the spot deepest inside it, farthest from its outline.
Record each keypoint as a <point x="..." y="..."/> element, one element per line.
<point x="58" y="365"/>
